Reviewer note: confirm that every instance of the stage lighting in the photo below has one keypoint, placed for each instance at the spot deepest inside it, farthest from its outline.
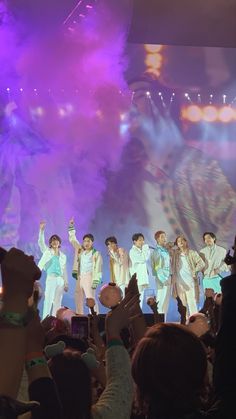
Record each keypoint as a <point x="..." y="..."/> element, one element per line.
<point x="226" y="114"/>
<point x="148" y="94"/>
<point x="153" y="48"/>
<point x="21" y="90"/>
<point x="193" y="113"/>
<point x="153" y="60"/>
<point x="8" y="89"/>
<point x="210" y="113"/>
<point x="153" y="71"/>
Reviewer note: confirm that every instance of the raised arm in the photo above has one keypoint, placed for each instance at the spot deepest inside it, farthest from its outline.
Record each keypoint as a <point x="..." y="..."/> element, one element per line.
<point x="223" y="266"/>
<point x="199" y="262"/>
<point x="18" y="275"/>
<point x="41" y="239"/>
<point x="72" y="235"/>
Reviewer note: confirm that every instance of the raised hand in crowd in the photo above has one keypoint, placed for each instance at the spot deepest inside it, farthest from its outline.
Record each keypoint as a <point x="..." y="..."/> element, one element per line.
<point x="19" y="273"/>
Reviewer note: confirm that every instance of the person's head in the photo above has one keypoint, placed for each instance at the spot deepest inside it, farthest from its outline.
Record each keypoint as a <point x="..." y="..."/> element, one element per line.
<point x="88" y="241"/>
<point x="160" y="237"/>
<point x="138" y="240"/>
<point x="111" y="243"/>
<point x="181" y="242"/>
<point x="55" y="241"/>
<point x="169" y="368"/>
<point x="209" y="238"/>
<point x="73" y="381"/>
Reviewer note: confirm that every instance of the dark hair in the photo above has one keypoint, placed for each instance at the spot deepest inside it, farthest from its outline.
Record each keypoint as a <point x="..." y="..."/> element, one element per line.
<point x="136" y="236"/>
<point x="71" y="342"/>
<point x="111" y="239"/>
<point x="73" y="382"/>
<point x="158" y="233"/>
<point x="88" y="236"/>
<point x="213" y="236"/>
<point x="180" y="237"/>
<point x="54" y="237"/>
<point x="169" y="382"/>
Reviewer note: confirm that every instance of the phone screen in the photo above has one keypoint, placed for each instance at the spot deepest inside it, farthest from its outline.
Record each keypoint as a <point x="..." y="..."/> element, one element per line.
<point x="80" y="327"/>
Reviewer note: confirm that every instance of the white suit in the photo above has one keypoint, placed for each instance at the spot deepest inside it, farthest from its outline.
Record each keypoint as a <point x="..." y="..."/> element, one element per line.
<point x="119" y="268"/>
<point x="55" y="282"/>
<point x="139" y="258"/>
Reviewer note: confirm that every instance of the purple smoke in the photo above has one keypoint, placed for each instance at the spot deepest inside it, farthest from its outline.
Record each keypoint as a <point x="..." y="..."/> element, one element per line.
<point x="59" y="140"/>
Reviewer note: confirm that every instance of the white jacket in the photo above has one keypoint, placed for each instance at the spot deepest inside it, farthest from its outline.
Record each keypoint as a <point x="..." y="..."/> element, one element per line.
<point x="139" y="258"/>
<point x="213" y="257"/>
<point x="119" y="267"/>
<point x="47" y="256"/>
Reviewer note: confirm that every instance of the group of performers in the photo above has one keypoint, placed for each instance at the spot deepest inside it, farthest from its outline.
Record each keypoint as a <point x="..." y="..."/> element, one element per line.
<point x="174" y="266"/>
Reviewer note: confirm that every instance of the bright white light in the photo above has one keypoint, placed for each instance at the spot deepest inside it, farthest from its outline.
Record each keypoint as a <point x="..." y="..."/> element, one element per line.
<point x="35" y="90"/>
<point x="173" y="94"/>
<point x="148" y="94"/>
<point x="21" y="90"/>
<point x="8" y="89"/>
<point x="160" y="94"/>
<point x="186" y="94"/>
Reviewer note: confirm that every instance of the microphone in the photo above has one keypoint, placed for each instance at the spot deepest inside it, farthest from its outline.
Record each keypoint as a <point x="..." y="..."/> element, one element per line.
<point x="151" y="247"/>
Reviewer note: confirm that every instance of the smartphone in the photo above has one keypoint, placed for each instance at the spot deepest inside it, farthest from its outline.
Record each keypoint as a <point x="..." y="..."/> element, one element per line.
<point x="80" y="327"/>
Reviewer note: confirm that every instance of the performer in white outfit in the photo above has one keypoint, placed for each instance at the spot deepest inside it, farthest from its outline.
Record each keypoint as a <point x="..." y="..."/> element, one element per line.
<point x="139" y="255"/>
<point x="214" y="256"/>
<point x="186" y="264"/>
<point x="119" y="263"/>
<point x="53" y="261"/>
<point x="87" y="268"/>
<point x="161" y="270"/>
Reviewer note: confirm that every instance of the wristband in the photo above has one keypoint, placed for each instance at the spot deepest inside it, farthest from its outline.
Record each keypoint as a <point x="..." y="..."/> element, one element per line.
<point x="32" y="355"/>
<point x="15" y="319"/>
<point x="114" y="342"/>
<point x="35" y="362"/>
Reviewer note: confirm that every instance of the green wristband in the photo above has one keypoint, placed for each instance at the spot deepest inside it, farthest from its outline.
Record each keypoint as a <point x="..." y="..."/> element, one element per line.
<point x="35" y="362"/>
<point x="114" y="342"/>
<point x="15" y="319"/>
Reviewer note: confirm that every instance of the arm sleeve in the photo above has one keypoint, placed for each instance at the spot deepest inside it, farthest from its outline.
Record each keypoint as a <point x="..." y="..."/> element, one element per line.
<point x="41" y="241"/>
<point x="65" y="276"/>
<point x="140" y="257"/>
<point x="200" y="264"/>
<point x="72" y="238"/>
<point x="116" y="400"/>
<point x="223" y="267"/>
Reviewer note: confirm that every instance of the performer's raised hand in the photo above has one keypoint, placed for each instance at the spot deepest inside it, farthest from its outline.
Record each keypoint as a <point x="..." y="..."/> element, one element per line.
<point x="42" y="225"/>
<point x="72" y="221"/>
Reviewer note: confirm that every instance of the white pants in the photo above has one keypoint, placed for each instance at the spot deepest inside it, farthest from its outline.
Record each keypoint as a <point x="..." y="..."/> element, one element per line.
<point x="163" y="297"/>
<point x="53" y="295"/>
<point x="83" y="289"/>
<point x="142" y="289"/>
<point x="188" y="300"/>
